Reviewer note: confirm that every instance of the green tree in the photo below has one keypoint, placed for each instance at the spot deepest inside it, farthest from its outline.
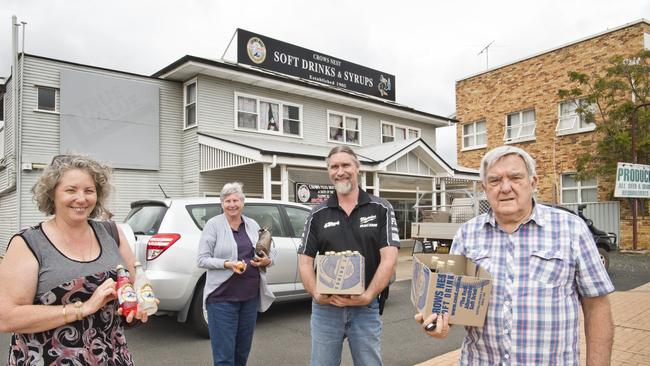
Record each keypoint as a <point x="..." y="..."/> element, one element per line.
<point x="609" y="100"/>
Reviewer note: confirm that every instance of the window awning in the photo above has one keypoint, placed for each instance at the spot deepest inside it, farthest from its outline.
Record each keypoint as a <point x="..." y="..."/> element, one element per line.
<point x="408" y="157"/>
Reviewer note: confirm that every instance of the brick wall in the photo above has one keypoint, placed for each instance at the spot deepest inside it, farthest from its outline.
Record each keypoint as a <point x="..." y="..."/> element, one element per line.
<point x="533" y="84"/>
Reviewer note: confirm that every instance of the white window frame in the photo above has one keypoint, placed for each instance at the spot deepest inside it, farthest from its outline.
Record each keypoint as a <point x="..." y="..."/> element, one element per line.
<point x="578" y="123"/>
<point x="578" y="188"/>
<point x="345" y="129"/>
<point x="473" y="135"/>
<point x="56" y="99"/>
<point x="519" y="137"/>
<point x="281" y="117"/>
<point x="195" y="103"/>
<point x="397" y="125"/>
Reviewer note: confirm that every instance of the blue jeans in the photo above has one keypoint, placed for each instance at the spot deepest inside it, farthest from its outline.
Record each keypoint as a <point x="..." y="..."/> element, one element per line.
<point x="360" y="324"/>
<point x="231" y="325"/>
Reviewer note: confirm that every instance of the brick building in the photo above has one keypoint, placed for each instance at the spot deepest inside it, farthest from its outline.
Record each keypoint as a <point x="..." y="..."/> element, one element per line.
<point x="518" y="104"/>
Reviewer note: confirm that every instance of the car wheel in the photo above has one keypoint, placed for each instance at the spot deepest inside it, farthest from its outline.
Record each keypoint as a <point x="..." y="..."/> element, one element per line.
<point x="198" y="313"/>
<point x="604" y="257"/>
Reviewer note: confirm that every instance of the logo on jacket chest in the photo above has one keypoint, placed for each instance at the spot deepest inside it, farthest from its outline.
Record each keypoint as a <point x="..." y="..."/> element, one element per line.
<point x="368" y="221"/>
<point x="331" y="224"/>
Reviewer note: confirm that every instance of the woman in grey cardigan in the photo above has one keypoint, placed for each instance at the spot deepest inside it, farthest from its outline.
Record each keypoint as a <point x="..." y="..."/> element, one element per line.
<point x="235" y="287"/>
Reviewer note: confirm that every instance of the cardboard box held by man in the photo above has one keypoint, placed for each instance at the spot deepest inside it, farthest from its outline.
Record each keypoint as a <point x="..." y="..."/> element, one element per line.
<point x="463" y="290"/>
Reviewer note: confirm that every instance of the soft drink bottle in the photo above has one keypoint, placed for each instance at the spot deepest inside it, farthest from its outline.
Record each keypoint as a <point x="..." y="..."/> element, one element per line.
<point x="126" y="296"/>
<point x="146" y="297"/>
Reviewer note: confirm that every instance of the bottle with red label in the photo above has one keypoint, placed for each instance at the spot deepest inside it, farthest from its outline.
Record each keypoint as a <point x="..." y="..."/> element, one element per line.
<point x="126" y="295"/>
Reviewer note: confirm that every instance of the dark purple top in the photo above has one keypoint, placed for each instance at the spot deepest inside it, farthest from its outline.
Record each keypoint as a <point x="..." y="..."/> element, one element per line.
<point x="239" y="287"/>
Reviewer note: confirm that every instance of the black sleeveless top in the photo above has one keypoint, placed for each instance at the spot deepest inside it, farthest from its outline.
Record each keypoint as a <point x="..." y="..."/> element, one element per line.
<point x="97" y="339"/>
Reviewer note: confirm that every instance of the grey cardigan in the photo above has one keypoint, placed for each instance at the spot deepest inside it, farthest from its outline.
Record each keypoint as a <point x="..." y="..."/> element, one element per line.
<point x="217" y="245"/>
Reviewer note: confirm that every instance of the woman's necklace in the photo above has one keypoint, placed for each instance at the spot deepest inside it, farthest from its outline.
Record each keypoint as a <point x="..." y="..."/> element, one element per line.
<point x="85" y="255"/>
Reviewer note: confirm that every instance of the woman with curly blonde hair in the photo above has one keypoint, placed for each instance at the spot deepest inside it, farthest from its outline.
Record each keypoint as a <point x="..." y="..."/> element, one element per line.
<point x="58" y="277"/>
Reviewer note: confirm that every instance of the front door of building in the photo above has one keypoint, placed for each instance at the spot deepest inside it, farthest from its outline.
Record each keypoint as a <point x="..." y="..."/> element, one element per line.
<point x="404" y="215"/>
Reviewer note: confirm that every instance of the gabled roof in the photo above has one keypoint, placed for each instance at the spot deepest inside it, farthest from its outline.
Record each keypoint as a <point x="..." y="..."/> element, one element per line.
<point x="189" y="66"/>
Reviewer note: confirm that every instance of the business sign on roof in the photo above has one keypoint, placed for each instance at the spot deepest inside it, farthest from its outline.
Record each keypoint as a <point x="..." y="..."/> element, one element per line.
<point x="261" y="51"/>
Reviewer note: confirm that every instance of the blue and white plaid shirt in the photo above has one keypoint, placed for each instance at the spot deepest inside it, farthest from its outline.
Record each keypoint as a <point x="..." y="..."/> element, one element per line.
<point x="539" y="272"/>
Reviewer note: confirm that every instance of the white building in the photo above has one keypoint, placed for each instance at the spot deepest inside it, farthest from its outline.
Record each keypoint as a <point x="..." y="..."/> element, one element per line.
<point x="200" y="123"/>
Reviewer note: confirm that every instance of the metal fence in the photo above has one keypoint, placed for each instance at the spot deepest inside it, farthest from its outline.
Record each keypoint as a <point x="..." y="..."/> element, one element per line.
<point x="465" y="204"/>
<point x="605" y="215"/>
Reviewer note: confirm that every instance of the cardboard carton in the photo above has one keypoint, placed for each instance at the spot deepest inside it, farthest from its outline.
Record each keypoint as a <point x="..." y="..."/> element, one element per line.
<point x="463" y="290"/>
<point x="341" y="273"/>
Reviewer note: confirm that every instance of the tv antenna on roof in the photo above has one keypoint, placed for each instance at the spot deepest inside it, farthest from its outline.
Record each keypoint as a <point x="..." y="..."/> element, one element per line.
<point x="486" y="50"/>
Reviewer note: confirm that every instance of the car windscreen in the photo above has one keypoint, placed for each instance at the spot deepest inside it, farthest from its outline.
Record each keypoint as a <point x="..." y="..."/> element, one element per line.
<point x="200" y="214"/>
<point x="145" y="220"/>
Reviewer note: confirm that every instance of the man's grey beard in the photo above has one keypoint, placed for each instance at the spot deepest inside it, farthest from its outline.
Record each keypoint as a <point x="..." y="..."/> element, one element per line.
<point x="343" y="187"/>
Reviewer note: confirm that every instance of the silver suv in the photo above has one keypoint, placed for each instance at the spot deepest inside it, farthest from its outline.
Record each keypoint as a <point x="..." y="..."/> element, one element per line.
<point x="167" y="237"/>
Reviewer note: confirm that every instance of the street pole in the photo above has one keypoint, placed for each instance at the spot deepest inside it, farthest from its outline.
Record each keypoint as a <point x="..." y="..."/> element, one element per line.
<point x="634" y="161"/>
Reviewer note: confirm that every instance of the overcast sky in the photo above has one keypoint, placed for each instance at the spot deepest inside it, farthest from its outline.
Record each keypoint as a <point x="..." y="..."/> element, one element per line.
<point x="427" y="45"/>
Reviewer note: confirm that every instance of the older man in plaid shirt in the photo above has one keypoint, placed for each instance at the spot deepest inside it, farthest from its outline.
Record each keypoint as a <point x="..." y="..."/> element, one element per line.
<point x="544" y="264"/>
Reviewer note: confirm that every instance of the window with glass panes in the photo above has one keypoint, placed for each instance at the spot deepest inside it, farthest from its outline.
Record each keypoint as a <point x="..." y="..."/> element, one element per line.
<point x="393" y="132"/>
<point x="246" y="113"/>
<point x="572" y="117"/>
<point x="291" y="120"/>
<point x="268" y="116"/>
<point x="520" y="126"/>
<point x="474" y="135"/>
<point x="46" y="98"/>
<point x="578" y="191"/>
<point x="190" y="105"/>
<point x="344" y="127"/>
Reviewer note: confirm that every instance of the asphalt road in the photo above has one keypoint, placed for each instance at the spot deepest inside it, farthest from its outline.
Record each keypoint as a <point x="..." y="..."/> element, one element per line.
<point x="282" y="337"/>
<point x="282" y="334"/>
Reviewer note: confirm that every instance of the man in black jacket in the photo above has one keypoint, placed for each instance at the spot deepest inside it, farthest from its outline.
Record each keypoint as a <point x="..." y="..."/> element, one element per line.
<point x="353" y="220"/>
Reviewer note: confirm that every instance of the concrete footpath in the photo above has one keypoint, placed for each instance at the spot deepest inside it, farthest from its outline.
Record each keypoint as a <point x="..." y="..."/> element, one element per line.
<point x="631" y="311"/>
